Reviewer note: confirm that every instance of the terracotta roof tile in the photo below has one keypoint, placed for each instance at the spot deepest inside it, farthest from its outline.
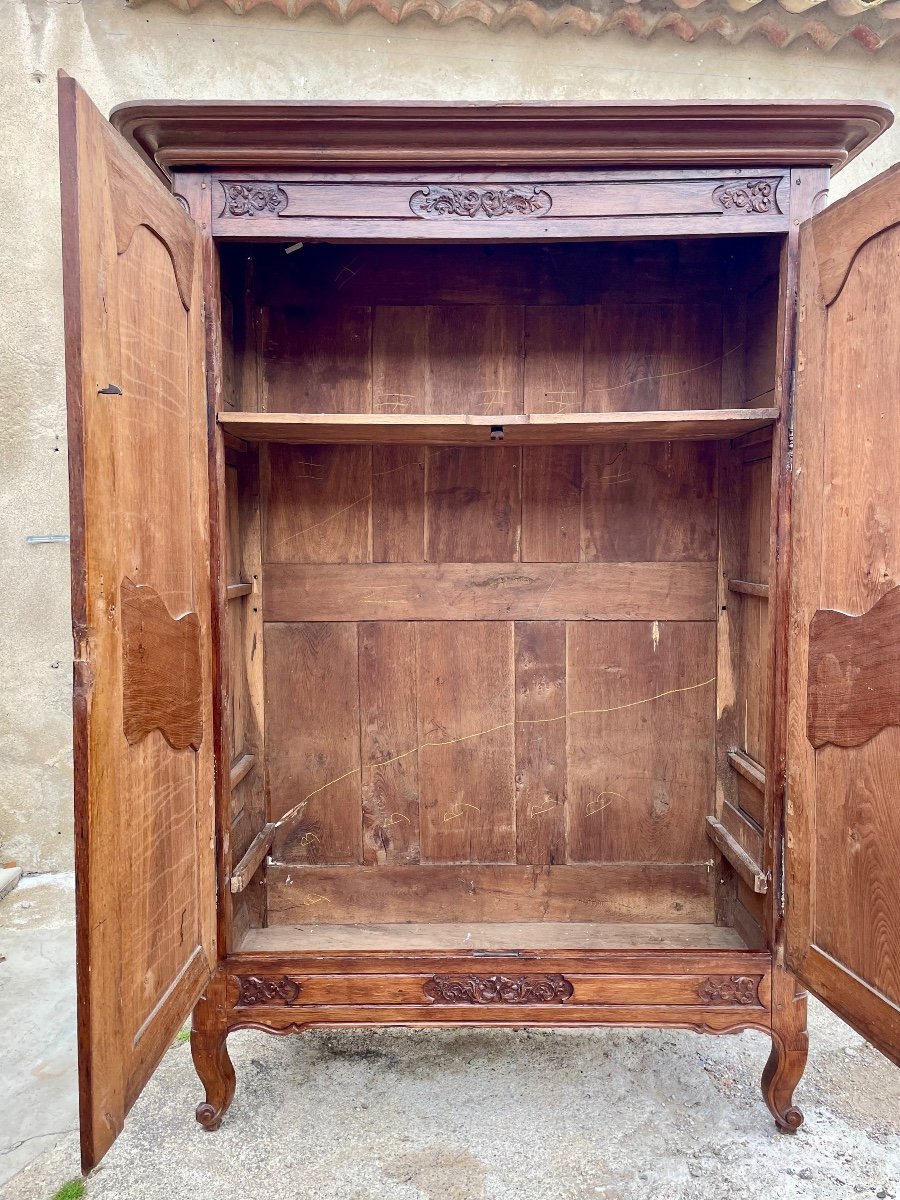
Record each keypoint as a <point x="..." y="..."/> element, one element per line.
<point x="825" y="23"/>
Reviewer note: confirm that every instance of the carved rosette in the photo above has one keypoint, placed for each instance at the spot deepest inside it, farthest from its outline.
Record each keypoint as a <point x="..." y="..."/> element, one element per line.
<point x="482" y="202"/>
<point x="754" y="196"/>
<point x="258" y="989"/>
<point x="729" y="989"/>
<point x="254" y="199"/>
<point x="498" y="989"/>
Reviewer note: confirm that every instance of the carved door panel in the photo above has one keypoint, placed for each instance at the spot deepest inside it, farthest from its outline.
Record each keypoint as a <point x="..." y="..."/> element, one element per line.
<point x="843" y="801"/>
<point x="141" y="598"/>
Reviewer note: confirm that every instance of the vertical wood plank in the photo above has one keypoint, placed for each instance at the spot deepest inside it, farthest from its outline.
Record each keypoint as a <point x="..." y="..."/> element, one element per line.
<point x="398" y="503"/>
<point x="388" y="729"/>
<point x="400" y="380"/>
<point x="317" y="359"/>
<point x="467" y="791"/>
<point x="551" y="503"/>
<point x="639" y="790"/>
<point x="312" y="741"/>
<point x="473" y="504"/>
<point x="554" y="351"/>
<point x="474" y="358"/>
<point x="540" y="648"/>
<point x="318" y="504"/>
<point x="649" y="501"/>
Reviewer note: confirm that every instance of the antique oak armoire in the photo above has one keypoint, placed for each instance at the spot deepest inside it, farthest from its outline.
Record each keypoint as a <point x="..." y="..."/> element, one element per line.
<point x="486" y="574"/>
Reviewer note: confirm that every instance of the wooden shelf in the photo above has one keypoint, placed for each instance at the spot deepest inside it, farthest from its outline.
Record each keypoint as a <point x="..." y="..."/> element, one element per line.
<point x="518" y="429"/>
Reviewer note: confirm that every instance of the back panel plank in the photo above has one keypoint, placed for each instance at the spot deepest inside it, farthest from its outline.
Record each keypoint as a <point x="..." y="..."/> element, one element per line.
<point x="388" y="741"/>
<point x="621" y="591"/>
<point x="372" y="895"/>
<point x="312" y="738"/>
<point x="651" y="501"/>
<point x="318" y="504"/>
<point x="466" y="741"/>
<point x="641" y="772"/>
<point x="540" y="742"/>
<point x="551" y="503"/>
<point x="473" y="504"/>
<point x="317" y="359"/>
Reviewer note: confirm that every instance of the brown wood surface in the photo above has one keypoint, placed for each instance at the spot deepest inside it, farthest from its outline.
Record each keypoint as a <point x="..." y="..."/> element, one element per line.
<point x="854" y="673"/>
<point x="139" y="498"/>
<point x="519" y="429"/>
<point x="495" y="591"/>
<point x="541" y="759"/>
<point x="522" y="936"/>
<point x="843" y="822"/>
<point x="339" y="895"/>
<point x="454" y="136"/>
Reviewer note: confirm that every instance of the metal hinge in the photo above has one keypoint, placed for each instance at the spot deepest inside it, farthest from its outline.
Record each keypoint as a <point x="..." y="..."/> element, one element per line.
<point x="782" y="859"/>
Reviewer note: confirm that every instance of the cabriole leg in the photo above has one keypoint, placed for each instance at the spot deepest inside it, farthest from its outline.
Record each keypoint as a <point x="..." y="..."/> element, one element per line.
<point x="209" y="1051"/>
<point x="787" y="1060"/>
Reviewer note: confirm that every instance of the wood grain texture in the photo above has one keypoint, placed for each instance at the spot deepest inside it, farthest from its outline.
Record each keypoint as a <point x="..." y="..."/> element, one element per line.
<point x="844" y="826"/>
<point x="481" y="892"/>
<point x="388" y="706"/>
<point x="553" y="379"/>
<point x="318" y="504"/>
<point x="312" y="740"/>
<point x="506" y="935"/>
<point x="162" y="674"/>
<point x="473" y="505"/>
<point x="644" y="502"/>
<point x="540" y="682"/>
<point x="534" y="429"/>
<point x="602" y="591"/>
<point x="140" y="510"/>
<point x="551" y="504"/>
<point x="467" y="741"/>
<point x="316" y="359"/>
<point x="635" y="792"/>
<point x="854" y="673"/>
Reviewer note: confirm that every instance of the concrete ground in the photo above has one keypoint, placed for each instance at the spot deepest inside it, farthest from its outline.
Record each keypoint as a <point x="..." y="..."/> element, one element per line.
<point x="449" y="1115"/>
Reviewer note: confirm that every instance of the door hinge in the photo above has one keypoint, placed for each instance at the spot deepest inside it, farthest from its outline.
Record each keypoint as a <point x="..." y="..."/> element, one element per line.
<point x="782" y="857"/>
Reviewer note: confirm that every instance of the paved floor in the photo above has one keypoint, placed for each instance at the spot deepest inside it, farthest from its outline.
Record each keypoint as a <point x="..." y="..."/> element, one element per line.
<point x="496" y="1115"/>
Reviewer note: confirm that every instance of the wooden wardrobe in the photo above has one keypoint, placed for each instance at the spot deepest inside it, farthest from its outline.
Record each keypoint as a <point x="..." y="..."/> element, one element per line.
<point x="485" y="574"/>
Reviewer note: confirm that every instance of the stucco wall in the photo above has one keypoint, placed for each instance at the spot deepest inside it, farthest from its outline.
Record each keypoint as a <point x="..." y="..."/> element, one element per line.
<point x="119" y="53"/>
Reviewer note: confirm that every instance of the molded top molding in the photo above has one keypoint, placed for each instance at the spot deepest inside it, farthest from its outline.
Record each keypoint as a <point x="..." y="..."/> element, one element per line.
<point x="351" y="137"/>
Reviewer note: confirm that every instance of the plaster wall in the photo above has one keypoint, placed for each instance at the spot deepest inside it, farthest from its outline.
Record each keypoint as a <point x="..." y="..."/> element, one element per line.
<point x="118" y="53"/>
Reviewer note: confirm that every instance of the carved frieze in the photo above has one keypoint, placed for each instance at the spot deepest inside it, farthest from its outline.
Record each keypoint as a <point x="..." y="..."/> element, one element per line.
<point x="253" y="199"/>
<point x="260" y="989"/>
<point x="729" y="989"/>
<point x="439" y="200"/>
<point x="752" y="196"/>
<point x="498" y="989"/>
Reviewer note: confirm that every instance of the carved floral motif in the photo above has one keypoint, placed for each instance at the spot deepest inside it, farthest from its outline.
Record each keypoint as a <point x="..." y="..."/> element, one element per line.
<point x="254" y="199"/>
<point x="448" y="201"/>
<point x="754" y="196"/>
<point x="729" y="989"/>
<point x="257" y="989"/>
<point x="498" y="989"/>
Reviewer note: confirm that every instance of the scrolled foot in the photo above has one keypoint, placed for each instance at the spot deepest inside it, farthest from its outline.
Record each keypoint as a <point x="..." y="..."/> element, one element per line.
<point x="209" y="1033"/>
<point x="787" y="1061"/>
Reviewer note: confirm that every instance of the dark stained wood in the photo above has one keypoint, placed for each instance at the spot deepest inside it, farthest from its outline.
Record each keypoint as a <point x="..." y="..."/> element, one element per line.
<point x="518" y="428"/>
<point x="353" y="137"/>
<point x="854" y="673"/>
<point x="144" y="815"/>
<point x="609" y="591"/>
<point x="488" y="892"/>
<point x="162" y="673"/>
<point x="398" y="503"/>
<point x="316" y="360"/>
<point x="843" y="822"/>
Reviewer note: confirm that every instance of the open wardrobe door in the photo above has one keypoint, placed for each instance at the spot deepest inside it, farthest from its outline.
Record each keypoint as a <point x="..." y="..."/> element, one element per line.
<point x="843" y="800"/>
<point x="144" y="818"/>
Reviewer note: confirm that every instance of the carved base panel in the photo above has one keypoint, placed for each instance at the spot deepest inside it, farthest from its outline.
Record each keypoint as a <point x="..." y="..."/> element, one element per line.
<point x="706" y="992"/>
